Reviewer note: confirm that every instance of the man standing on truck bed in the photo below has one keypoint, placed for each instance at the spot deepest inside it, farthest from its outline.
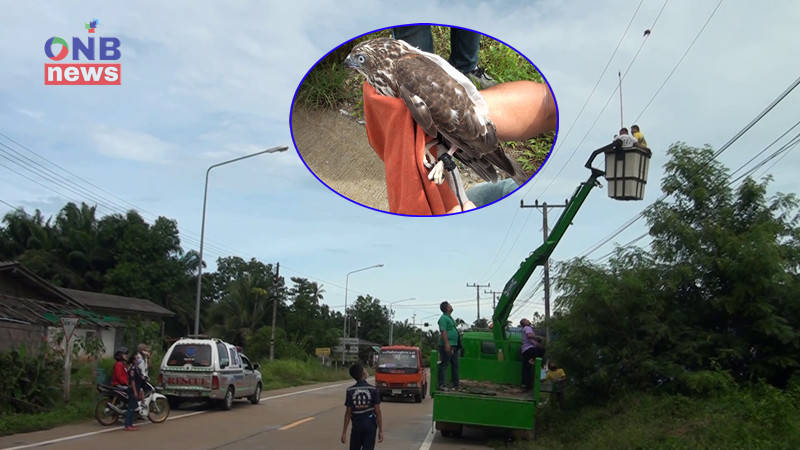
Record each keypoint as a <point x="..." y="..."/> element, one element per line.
<point x="531" y="348"/>
<point x="448" y="345"/>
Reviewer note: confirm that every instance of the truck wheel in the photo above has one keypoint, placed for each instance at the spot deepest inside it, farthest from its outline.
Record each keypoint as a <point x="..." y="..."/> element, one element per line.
<point x="256" y="397"/>
<point x="227" y="402"/>
<point x="418" y="396"/>
<point x="446" y="433"/>
<point x="424" y="389"/>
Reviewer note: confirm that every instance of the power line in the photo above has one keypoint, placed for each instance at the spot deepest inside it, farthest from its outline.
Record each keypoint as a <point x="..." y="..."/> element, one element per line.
<point x="708" y="161"/>
<point x="678" y="63"/>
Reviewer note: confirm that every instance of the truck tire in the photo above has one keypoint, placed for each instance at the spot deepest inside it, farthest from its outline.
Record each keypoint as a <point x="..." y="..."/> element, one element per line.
<point x="418" y="396"/>
<point x="424" y="389"/>
<point x="227" y="402"/>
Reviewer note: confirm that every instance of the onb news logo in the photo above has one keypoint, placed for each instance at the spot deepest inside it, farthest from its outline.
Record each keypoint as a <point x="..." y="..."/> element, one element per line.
<point x="75" y="72"/>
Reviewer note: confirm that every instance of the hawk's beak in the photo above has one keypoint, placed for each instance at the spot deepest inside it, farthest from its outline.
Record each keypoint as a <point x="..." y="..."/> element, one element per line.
<point x="350" y="63"/>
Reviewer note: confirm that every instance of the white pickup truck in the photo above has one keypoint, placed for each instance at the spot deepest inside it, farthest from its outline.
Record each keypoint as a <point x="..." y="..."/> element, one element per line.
<point x="208" y="369"/>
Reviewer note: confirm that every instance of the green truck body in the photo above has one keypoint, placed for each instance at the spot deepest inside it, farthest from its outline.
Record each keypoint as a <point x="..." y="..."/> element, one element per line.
<point x="480" y="364"/>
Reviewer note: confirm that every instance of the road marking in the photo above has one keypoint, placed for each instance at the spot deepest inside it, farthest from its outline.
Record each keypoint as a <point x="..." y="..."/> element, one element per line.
<point x="428" y="440"/>
<point x="93" y="433"/>
<point x="294" y="424"/>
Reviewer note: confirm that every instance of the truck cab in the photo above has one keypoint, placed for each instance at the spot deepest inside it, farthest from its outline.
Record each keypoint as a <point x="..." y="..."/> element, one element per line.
<point x="399" y="372"/>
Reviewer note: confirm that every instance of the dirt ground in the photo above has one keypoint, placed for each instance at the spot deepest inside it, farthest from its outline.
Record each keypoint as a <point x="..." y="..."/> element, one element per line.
<point x="336" y="149"/>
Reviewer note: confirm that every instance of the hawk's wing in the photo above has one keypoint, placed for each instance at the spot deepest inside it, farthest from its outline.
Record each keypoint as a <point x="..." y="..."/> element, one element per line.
<point x="440" y="104"/>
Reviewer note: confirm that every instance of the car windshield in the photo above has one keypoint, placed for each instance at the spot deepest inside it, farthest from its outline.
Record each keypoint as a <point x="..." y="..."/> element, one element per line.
<point x="198" y="355"/>
<point x="397" y="359"/>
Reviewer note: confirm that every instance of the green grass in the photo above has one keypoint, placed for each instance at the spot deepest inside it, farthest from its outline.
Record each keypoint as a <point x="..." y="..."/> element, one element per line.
<point x="279" y="374"/>
<point x="759" y="418"/>
<point x="80" y="408"/>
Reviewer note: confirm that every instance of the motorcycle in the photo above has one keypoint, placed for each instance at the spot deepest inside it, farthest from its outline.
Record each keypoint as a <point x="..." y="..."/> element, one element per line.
<point x="114" y="403"/>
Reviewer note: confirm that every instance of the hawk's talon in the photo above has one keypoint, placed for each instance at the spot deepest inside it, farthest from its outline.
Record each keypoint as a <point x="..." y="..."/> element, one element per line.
<point x="437" y="173"/>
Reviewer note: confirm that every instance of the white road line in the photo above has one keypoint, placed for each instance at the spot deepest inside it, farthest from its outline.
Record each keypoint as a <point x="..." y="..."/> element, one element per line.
<point x="428" y="440"/>
<point x="92" y="433"/>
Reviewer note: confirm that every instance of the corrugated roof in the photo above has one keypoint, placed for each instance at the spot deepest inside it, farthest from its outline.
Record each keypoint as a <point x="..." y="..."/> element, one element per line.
<point x="117" y="302"/>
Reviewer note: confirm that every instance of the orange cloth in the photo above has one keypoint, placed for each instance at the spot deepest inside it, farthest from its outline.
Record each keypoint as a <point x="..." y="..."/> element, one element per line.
<point x="400" y="143"/>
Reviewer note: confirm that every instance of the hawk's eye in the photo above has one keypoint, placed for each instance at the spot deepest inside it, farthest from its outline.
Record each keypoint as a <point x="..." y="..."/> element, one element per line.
<point x="361" y="59"/>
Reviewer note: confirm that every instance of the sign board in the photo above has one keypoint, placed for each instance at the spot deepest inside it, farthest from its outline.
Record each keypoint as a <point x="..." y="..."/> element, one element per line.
<point x="69" y="324"/>
<point x="351" y="341"/>
<point x="323" y="351"/>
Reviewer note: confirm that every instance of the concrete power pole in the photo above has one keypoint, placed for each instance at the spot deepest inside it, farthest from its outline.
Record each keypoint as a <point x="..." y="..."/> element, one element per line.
<point x="494" y="298"/>
<point x="545" y="231"/>
<point x="478" y="294"/>
<point x="274" y="311"/>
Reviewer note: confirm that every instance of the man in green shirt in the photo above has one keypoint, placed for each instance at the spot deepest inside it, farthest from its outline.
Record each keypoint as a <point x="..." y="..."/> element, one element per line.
<point x="448" y="345"/>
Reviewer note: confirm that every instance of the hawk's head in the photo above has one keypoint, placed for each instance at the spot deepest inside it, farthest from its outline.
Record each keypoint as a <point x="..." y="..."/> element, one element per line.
<point x="375" y="60"/>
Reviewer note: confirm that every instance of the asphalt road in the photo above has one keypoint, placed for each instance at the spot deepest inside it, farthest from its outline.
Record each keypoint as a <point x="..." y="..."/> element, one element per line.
<point x="307" y="417"/>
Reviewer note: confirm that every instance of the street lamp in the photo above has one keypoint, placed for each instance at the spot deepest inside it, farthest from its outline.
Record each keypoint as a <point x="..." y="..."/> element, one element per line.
<point x="203" y="230"/>
<point x="391" y="317"/>
<point x="346" y="284"/>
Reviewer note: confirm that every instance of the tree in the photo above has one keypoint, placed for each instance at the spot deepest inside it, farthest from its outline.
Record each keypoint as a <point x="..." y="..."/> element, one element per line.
<point x="717" y="291"/>
<point x="374" y="319"/>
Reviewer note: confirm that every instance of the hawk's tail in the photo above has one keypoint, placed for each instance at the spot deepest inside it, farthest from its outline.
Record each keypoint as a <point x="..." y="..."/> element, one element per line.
<point x="500" y="159"/>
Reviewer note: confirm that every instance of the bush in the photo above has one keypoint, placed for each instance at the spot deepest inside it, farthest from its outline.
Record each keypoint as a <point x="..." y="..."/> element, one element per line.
<point x="30" y="382"/>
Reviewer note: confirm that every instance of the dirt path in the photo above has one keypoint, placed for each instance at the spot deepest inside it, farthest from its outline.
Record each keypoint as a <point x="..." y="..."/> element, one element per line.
<point x="336" y="149"/>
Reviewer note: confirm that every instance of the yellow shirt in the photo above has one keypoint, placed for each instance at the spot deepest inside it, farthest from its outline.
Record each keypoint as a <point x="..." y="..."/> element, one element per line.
<point x="640" y="137"/>
<point x="555" y="375"/>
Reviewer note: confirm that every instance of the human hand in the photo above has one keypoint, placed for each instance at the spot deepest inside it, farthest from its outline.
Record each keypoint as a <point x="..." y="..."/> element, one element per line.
<point x="447" y="348"/>
<point x="344" y="438"/>
<point x="380" y="436"/>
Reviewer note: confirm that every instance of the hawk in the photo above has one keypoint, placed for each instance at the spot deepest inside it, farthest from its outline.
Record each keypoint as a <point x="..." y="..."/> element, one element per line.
<point x="442" y="101"/>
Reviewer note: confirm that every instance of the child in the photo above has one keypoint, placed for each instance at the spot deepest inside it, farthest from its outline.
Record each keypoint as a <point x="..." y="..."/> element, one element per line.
<point x="363" y="408"/>
<point x="558" y="377"/>
<point x="638" y="135"/>
<point x="139" y="378"/>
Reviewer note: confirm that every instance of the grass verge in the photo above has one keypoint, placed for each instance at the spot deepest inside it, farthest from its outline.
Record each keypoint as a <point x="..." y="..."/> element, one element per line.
<point x="762" y="417"/>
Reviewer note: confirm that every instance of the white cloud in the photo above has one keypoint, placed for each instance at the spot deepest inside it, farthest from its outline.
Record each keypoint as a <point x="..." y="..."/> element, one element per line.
<point x="133" y="145"/>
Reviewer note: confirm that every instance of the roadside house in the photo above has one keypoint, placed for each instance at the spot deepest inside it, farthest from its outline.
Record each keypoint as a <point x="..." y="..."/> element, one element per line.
<point x="31" y="310"/>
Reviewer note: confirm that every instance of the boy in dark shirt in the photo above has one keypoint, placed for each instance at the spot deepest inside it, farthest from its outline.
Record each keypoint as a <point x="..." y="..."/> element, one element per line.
<point x="363" y="408"/>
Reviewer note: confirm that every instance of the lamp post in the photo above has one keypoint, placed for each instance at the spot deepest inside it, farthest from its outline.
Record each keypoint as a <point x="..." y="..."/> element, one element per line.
<point x="203" y="230"/>
<point x="346" y="284"/>
<point x="391" y="317"/>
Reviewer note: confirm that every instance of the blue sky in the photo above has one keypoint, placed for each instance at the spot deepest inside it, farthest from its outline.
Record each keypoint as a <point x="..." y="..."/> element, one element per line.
<point x="204" y="84"/>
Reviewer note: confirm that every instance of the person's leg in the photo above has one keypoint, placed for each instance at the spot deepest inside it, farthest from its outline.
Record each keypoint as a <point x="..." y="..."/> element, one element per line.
<point x="444" y="360"/>
<point x="129" y="410"/>
<point x="419" y="36"/>
<point x="484" y="193"/>
<point x="464" y="47"/>
<point x="526" y="369"/>
<point x="368" y="435"/>
<point x="454" y="366"/>
<point x="355" y="436"/>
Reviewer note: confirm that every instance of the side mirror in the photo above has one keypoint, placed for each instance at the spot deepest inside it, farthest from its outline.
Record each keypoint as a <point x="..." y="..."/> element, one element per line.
<point x="256" y="366"/>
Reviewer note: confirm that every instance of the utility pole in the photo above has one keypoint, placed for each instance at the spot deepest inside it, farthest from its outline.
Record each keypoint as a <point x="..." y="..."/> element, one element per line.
<point x="545" y="232"/>
<point x="274" y="310"/>
<point x="478" y="294"/>
<point x="494" y="298"/>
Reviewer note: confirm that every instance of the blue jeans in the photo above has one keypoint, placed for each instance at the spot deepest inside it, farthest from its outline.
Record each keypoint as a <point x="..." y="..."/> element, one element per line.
<point x="464" y="44"/>
<point x="448" y="359"/>
<point x="132" y="404"/>
<point x="484" y="193"/>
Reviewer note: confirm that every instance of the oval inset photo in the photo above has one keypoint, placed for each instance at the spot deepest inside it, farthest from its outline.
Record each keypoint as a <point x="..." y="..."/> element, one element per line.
<point x="424" y="120"/>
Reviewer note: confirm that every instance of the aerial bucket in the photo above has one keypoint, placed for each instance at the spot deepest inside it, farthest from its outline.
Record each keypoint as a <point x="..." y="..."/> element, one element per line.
<point x="626" y="172"/>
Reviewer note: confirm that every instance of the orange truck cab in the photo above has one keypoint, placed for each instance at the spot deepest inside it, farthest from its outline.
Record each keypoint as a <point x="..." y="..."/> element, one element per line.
<point x="400" y="372"/>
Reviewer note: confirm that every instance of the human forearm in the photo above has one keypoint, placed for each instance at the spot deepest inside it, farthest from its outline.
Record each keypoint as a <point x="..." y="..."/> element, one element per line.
<point x="521" y="109"/>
